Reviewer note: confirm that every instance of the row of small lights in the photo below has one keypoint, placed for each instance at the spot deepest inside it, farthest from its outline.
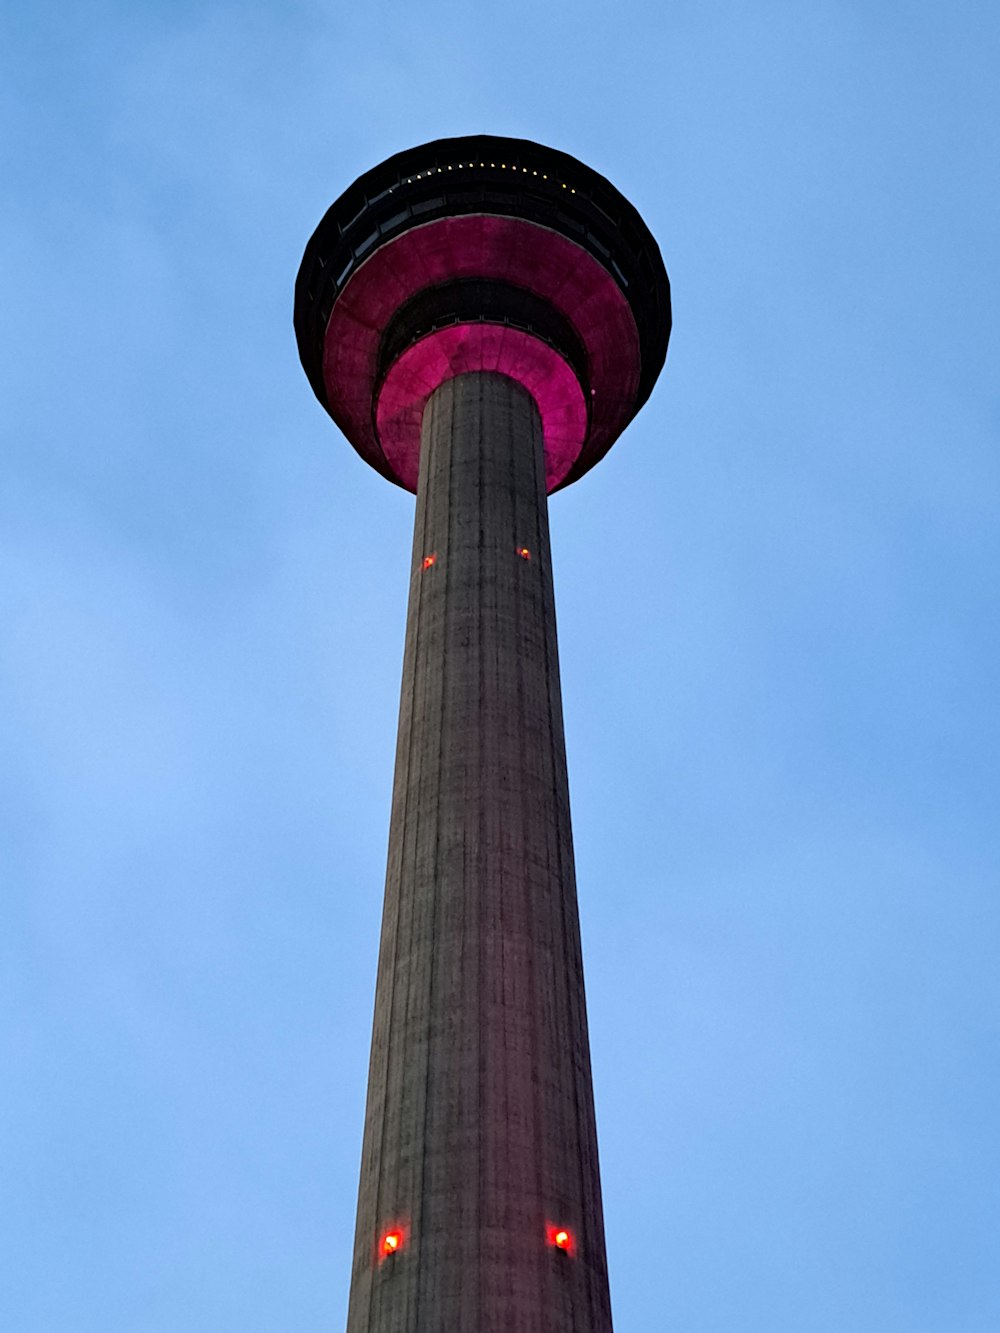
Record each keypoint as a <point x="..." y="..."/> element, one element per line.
<point x="429" y="561"/>
<point x="458" y="167"/>
<point x="392" y="1241"/>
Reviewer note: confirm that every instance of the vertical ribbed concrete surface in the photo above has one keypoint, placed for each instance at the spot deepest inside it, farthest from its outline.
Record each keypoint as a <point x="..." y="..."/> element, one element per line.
<point x="479" y="1133"/>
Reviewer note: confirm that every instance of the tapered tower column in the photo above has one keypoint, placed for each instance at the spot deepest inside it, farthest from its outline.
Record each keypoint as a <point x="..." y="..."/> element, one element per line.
<point x="479" y="1135"/>
<point x="482" y="317"/>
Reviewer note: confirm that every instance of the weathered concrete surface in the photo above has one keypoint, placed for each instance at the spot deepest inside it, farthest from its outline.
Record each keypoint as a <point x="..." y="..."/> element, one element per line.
<point x="479" y="1131"/>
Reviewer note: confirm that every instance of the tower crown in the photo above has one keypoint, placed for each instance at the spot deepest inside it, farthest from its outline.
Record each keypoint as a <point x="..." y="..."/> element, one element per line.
<point x="482" y="253"/>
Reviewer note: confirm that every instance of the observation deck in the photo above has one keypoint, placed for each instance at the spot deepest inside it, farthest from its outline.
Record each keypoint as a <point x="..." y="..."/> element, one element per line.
<point x="482" y="254"/>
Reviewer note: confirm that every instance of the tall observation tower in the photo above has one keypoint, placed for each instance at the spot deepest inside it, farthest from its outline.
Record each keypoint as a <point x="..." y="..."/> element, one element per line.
<point x="481" y="317"/>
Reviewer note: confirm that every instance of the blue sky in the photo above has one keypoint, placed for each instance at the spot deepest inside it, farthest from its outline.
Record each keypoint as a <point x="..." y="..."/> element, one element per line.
<point x="778" y="625"/>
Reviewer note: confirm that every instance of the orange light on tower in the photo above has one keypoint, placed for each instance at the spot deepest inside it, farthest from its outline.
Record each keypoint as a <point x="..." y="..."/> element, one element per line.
<point x="524" y="553"/>
<point x="429" y="560"/>
<point x="391" y="1242"/>
<point x="561" y="1239"/>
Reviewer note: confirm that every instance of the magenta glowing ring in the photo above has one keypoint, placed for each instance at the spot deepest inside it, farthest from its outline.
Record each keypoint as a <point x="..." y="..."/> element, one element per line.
<point x="460" y="349"/>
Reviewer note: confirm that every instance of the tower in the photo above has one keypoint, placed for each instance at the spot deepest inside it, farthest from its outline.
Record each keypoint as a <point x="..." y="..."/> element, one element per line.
<point x="482" y="317"/>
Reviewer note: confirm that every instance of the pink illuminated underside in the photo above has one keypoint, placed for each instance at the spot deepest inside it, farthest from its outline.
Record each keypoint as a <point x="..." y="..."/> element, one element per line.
<point x="462" y="348"/>
<point x="507" y="249"/>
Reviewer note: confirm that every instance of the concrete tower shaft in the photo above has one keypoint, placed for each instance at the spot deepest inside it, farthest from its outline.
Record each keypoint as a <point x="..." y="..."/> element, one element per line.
<point x="480" y="1141"/>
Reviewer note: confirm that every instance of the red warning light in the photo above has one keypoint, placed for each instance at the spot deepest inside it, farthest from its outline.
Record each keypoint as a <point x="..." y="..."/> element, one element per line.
<point x="561" y="1239"/>
<point x="524" y="553"/>
<point x="429" y="560"/>
<point x="391" y="1242"/>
